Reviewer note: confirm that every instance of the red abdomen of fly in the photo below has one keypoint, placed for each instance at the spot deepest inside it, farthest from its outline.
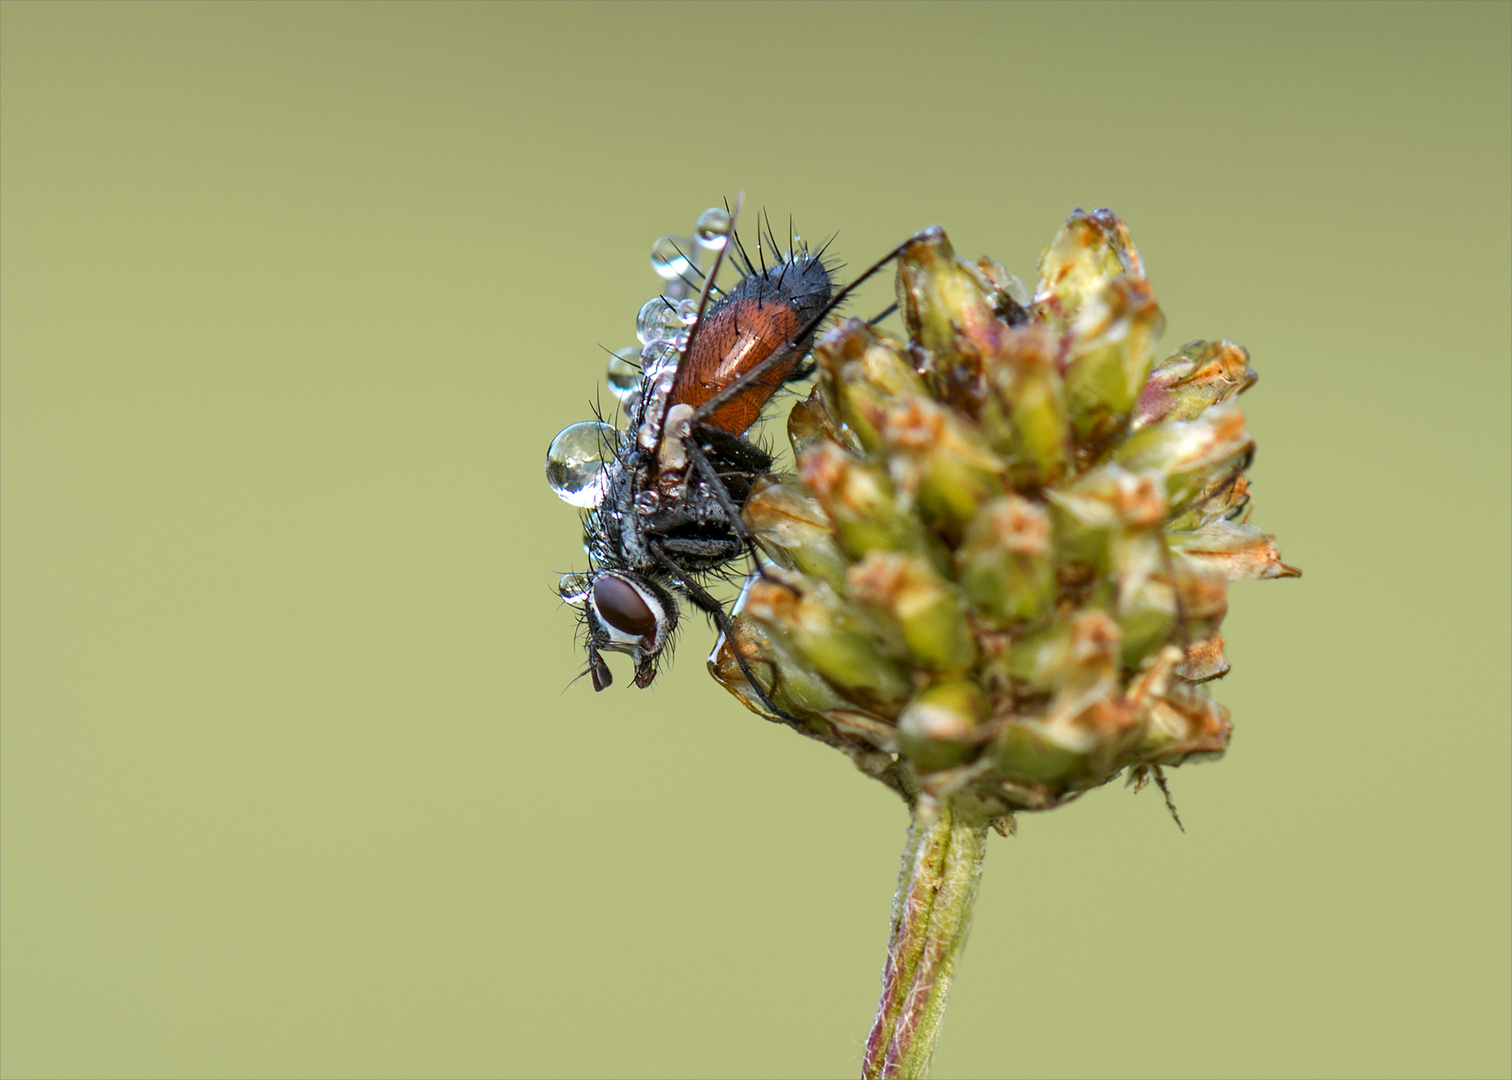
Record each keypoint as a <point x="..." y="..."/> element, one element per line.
<point x="763" y="318"/>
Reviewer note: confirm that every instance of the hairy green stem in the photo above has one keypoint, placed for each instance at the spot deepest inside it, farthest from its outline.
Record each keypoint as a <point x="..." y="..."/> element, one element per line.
<point x="942" y="865"/>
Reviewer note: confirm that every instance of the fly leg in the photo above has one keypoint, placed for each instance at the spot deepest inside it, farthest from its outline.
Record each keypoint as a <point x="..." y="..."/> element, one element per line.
<point x="705" y="468"/>
<point x="700" y="596"/>
<point x="602" y="677"/>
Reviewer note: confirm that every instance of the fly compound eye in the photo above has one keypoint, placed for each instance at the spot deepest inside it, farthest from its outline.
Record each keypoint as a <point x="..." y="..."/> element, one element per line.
<point x="624" y="608"/>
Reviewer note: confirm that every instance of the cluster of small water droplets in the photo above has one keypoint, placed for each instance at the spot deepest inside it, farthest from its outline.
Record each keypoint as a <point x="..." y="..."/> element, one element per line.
<point x="661" y="372"/>
<point x="641" y="378"/>
<point x="660" y="319"/>
<point x="576" y="462"/>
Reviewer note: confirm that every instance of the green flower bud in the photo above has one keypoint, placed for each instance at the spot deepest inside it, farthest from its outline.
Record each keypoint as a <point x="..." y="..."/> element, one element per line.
<point x="1202" y="374"/>
<point x="1024" y="414"/>
<point x="1078" y="653"/>
<point x="1198" y="457"/>
<point x="1115" y="335"/>
<point x="1023" y="752"/>
<point x="924" y="605"/>
<point x="1006" y="562"/>
<point x="949" y="314"/>
<point x="944" y="461"/>
<point x="868" y="377"/>
<point x="1089" y="251"/>
<point x="784" y="676"/>
<point x="830" y="636"/>
<point x="793" y="529"/>
<point x="939" y="725"/>
<point x="1070" y="747"/>
<point x="1146" y="618"/>
<point x="861" y="502"/>
<point x="1106" y="520"/>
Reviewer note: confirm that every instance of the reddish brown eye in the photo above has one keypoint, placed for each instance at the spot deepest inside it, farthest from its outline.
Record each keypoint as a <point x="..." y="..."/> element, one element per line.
<point x="620" y="605"/>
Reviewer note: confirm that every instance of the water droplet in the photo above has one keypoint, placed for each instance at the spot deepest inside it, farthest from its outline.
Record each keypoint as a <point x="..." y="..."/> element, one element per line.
<point x="657" y="321"/>
<point x="573" y="588"/>
<point x="625" y="373"/>
<point x="713" y="228"/>
<point x="687" y="311"/>
<point x="657" y="388"/>
<point x="669" y="257"/>
<point x="658" y="355"/>
<point x="575" y="462"/>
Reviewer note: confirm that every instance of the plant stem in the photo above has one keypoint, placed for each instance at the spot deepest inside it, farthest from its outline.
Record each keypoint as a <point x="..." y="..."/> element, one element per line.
<point x="942" y="865"/>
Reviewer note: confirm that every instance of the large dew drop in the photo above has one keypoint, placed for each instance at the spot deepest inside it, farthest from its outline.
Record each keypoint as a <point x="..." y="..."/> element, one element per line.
<point x="575" y="462"/>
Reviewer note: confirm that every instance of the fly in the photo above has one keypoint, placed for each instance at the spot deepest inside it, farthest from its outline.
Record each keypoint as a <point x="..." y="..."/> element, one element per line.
<point x="663" y="495"/>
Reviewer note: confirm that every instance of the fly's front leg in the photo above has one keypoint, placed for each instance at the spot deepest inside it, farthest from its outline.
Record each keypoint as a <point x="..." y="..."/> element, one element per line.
<point x="700" y="596"/>
<point x="602" y="677"/>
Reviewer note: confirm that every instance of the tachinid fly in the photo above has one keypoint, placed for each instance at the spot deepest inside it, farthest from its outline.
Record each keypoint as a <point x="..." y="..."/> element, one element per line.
<point x="663" y="494"/>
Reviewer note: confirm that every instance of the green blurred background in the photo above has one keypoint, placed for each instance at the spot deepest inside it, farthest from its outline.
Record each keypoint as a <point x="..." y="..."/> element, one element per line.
<point x="294" y="298"/>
